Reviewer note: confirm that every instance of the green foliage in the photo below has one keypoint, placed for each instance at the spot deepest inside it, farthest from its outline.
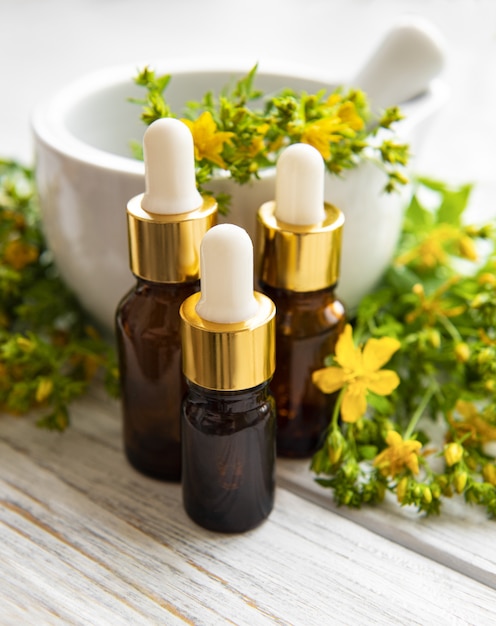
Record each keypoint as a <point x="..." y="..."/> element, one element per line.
<point x="48" y="351"/>
<point x="438" y="299"/>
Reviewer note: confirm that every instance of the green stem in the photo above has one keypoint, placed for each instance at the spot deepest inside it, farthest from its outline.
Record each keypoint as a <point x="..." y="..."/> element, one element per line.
<point x="337" y="407"/>
<point x="450" y="328"/>
<point x="420" y="409"/>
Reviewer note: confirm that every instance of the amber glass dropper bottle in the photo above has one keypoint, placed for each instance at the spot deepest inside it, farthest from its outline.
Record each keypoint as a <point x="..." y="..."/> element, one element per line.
<point x="165" y="228"/>
<point x="298" y="255"/>
<point x="228" y="416"/>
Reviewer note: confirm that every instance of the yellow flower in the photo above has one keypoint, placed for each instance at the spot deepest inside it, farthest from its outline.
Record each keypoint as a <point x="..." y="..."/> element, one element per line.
<point x="321" y="133"/>
<point x="473" y="428"/>
<point x="433" y="306"/>
<point x="359" y="372"/>
<point x="453" y="452"/>
<point x="398" y="455"/>
<point x="428" y="254"/>
<point x="257" y="145"/>
<point x="209" y="142"/>
<point x="347" y="113"/>
<point x="18" y="254"/>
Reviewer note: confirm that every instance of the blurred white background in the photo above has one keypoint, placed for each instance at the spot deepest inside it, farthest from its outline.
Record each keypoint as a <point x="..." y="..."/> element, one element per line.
<point x="46" y="43"/>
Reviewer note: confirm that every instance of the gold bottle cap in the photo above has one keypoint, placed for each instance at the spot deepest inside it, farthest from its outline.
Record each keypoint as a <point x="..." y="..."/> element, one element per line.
<point x="166" y="223"/>
<point x="298" y="258"/>
<point x="228" y="357"/>
<point x="228" y="330"/>
<point x="165" y="248"/>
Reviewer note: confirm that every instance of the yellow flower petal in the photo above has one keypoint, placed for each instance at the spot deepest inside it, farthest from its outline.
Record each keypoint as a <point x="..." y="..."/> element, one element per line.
<point x="329" y="379"/>
<point x="321" y="133"/>
<point x="377" y="352"/>
<point x="466" y="409"/>
<point x="393" y="438"/>
<point x="346" y="354"/>
<point x="398" y="455"/>
<point x="383" y="383"/>
<point x="412" y="463"/>
<point x="208" y="141"/>
<point x="347" y="113"/>
<point x="354" y="403"/>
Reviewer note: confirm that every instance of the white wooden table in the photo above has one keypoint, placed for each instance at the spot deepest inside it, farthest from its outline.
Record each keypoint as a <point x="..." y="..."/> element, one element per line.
<point x="85" y="539"/>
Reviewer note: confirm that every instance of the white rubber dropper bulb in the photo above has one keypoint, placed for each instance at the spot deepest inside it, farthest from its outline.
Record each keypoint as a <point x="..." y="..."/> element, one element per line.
<point x="168" y="151"/>
<point x="300" y="186"/>
<point x="226" y="269"/>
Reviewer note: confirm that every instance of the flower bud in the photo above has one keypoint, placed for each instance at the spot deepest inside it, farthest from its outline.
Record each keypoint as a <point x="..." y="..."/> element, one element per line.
<point x="471" y="230"/>
<point x="467" y="249"/>
<point x="453" y="452"/>
<point x="487" y="279"/>
<point x="335" y="443"/>
<point x="490" y="385"/>
<point x="44" y="389"/>
<point x="478" y="301"/>
<point x="434" y="338"/>
<point x="427" y="495"/>
<point x="435" y="490"/>
<point x="489" y="473"/>
<point x="401" y="489"/>
<point x="350" y="470"/>
<point x="485" y="356"/>
<point x="462" y="352"/>
<point x="347" y="497"/>
<point x="418" y="289"/>
<point x="460" y="480"/>
<point x="381" y="491"/>
<point x="25" y="344"/>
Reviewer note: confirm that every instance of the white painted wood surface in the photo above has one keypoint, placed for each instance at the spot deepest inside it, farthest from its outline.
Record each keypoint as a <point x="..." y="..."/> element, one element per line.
<point x="84" y="539"/>
<point x="462" y="538"/>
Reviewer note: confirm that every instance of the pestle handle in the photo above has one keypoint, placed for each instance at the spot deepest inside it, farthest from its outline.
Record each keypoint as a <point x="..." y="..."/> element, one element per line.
<point x="402" y="66"/>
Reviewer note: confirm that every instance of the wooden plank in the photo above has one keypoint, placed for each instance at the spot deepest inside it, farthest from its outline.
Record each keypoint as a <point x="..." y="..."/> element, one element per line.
<point x="84" y="538"/>
<point x="462" y="538"/>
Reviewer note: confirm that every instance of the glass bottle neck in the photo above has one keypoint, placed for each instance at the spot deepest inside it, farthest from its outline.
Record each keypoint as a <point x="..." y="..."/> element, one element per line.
<point x="241" y="397"/>
<point x="302" y="299"/>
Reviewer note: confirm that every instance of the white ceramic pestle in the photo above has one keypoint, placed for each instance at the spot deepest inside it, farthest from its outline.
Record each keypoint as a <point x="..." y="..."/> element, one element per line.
<point x="410" y="55"/>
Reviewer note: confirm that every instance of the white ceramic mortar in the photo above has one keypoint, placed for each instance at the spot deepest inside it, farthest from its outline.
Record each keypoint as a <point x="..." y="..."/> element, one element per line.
<point x="85" y="177"/>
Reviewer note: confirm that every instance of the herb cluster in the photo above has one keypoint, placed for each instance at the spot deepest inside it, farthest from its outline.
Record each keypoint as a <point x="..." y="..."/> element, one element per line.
<point x="430" y="433"/>
<point x="48" y="352"/>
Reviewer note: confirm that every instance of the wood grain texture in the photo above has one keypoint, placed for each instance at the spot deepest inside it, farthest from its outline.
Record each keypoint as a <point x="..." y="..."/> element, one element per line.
<point x="462" y="538"/>
<point x="84" y="539"/>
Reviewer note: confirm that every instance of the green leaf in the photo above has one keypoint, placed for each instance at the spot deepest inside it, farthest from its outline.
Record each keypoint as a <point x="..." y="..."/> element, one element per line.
<point x="417" y="217"/>
<point x="401" y="278"/>
<point x="453" y="204"/>
<point x="367" y="453"/>
<point x="380" y="403"/>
